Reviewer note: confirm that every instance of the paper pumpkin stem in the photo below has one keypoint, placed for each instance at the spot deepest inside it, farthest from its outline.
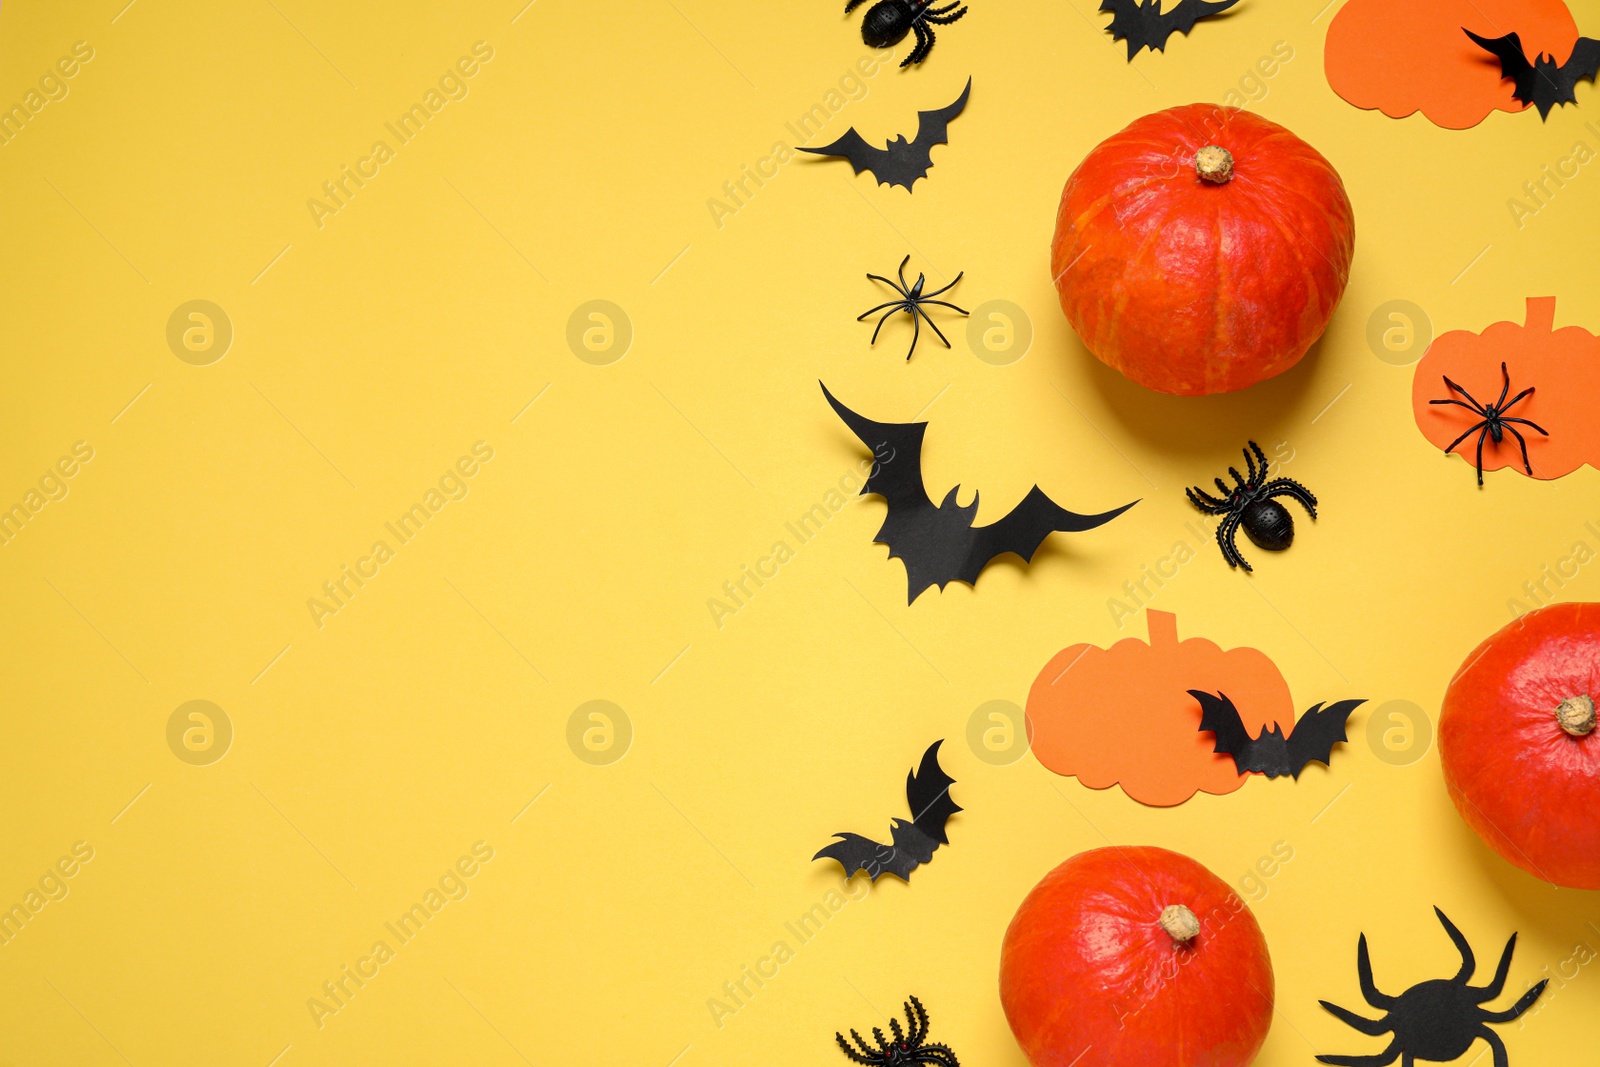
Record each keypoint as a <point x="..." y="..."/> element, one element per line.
<point x="1576" y="715"/>
<point x="1540" y="314"/>
<point x="1179" y="922"/>
<point x="1163" y="626"/>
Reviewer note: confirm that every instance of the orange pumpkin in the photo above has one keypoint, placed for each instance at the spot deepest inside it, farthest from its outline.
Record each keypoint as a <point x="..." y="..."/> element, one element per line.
<point x="1123" y="715"/>
<point x="1562" y="366"/>
<point x="1403" y="57"/>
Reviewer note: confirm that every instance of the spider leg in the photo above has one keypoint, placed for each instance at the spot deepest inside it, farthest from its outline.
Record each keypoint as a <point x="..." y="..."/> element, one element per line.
<point x="1475" y="405"/>
<point x="894" y="310"/>
<point x="899" y="289"/>
<point x="1382" y="1059"/>
<point x="1373" y="1027"/>
<point x="1460" y="404"/>
<point x="1526" y="422"/>
<point x="1222" y="485"/>
<point x="852" y="5"/>
<point x="916" y="329"/>
<point x="1452" y="446"/>
<point x="1523" y="1003"/>
<point x="924" y="44"/>
<point x="1291" y="488"/>
<point x="952" y="285"/>
<point x="858" y="1057"/>
<point x="1206" y="503"/>
<point x="1262" y="456"/>
<point x="936" y="329"/>
<point x="938" y="1055"/>
<point x="1524" y="444"/>
<point x="1235" y="472"/>
<point x="899" y="1034"/>
<point x="880" y="307"/>
<point x="1469" y="963"/>
<point x="903" y="286"/>
<point x="1250" y="466"/>
<point x="1227" y="535"/>
<point x="1509" y="403"/>
<point x="1369" y="989"/>
<point x="917" y="1016"/>
<point x="1481" y="436"/>
<point x="964" y="311"/>
<point x="1492" y="990"/>
<point x="882" y="1044"/>
<point x="1500" y="1058"/>
<point x="1500" y="404"/>
<point x="938" y="15"/>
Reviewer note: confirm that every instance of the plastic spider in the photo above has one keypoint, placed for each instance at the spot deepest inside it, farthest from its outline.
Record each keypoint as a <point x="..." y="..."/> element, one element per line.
<point x="911" y="300"/>
<point x="1435" y="1020"/>
<point x="1495" y="424"/>
<point x="1250" y="504"/>
<point x="906" y="1048"/>
<point x="888" y="22"/>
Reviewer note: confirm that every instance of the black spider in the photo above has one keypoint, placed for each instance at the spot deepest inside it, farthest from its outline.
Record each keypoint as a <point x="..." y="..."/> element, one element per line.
<point x="888" y="22"/>
<point x="1250" y="503"/>
<point x="1495" y="424"/>
<point x="906" y="1048"/>
<point x="911" y="300"/>
<point x="1435" y="1020"/>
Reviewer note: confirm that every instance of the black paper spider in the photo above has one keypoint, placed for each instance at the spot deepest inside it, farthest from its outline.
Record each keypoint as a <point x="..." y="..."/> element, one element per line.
<point x="1250" y="504"/>
<point x="1495" y="424"/>
<point x="1435" y="1020"/>
<point x="906" y="1048"/>
<point x="911" y="300"/>
<point x="888" y="22"/>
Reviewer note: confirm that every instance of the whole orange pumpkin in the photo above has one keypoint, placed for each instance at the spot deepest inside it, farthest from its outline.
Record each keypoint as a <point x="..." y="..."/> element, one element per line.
<point x="1202" y="249"/>
<point x="1135" y="957"/>
<point x="1519" y="744"/>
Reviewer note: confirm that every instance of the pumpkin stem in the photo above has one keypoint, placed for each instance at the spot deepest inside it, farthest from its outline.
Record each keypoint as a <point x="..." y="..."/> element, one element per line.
<point x="1179" y="922"/>
<point x="1576" y="715"/>
<point x="1214" y="164"/>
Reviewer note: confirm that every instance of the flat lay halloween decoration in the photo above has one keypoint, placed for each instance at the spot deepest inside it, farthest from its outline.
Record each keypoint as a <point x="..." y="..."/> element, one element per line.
<point x="900" y="162"/>
<point x="1202" y="249"/>
<point x="1405" y="58"/>
<point x="888" y="21"/>
<point x="1538" y="79"/>
<point x="1436" y="1020"/>
<point x="911" y="300"/>
<point x="1271" y="753"/>
<point x="1079" y="706"/>
<point x="1518" y="395"/>
<point x="1518" y="744"/>
<point x="937" y="542"/>
<point x="906" y="1048"/>
<point x="1142" y="23"/>
<point x="912" y="843"/>
<point x="1249" y="504"/>
<point x="1123" y="955"/>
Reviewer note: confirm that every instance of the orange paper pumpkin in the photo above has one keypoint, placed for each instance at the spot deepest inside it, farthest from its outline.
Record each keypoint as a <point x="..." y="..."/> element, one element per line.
<point x="1403" y="57"/>
<point x="1562" y="366"/>
<point x="1123" y="715"/>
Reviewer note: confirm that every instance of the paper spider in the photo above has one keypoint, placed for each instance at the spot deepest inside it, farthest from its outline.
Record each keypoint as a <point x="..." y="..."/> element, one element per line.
<point x="1435" y="1020"/>
<point x="906" y="1048"/>
<point x="888" y="22"/>
<point x="1250" y="504"/>
<point x="911" y="300"/>
<point x="1495" y="425"/>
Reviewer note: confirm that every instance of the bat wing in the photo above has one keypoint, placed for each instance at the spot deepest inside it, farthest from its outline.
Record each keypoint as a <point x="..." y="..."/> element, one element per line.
<point x="1145" y="26"/>
<point x="856" y="853"/>
<point x="1186" y="13"/>
<point x="928" y="796"/>
<point x="1316" y="732"/>
<point x="853" y="147"/>
<point x="1584" y="61"/>
<point x="1024" y="529"/>
<point x="1514" y="63"/>
<point x="897" y="453"/>
<point x="911" y="161"/>
<point x="1218" y="714"/>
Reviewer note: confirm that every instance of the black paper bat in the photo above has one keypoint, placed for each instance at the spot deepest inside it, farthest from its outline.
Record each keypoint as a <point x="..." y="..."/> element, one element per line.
<point x="938" y="543"/>
<point x="1143" y="25"/>
<point x="1273" y="754"/>
<point x="900" y="163"/>
<point x="928" y="796"/>
<point x="1542" y="83"/>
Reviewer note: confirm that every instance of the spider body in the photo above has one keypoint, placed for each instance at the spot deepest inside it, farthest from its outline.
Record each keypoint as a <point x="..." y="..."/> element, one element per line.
<point x="911" y="299"/>
<point x="888" y="21"/>
<point x="1435" y="1020"/>
<point x="1249" y="503"/>
<point x="906" y="1049"/>
<point x="1494" y="423"/>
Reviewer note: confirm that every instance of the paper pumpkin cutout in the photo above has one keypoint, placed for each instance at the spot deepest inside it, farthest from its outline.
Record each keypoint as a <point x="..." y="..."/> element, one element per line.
<point x="1400" y="58"/>
<point x="1124" y="716"/>
<point x="1562" y="366"/>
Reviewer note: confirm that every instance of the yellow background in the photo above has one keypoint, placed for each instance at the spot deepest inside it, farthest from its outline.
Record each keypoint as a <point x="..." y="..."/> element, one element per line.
<point x="374" y="750"/>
